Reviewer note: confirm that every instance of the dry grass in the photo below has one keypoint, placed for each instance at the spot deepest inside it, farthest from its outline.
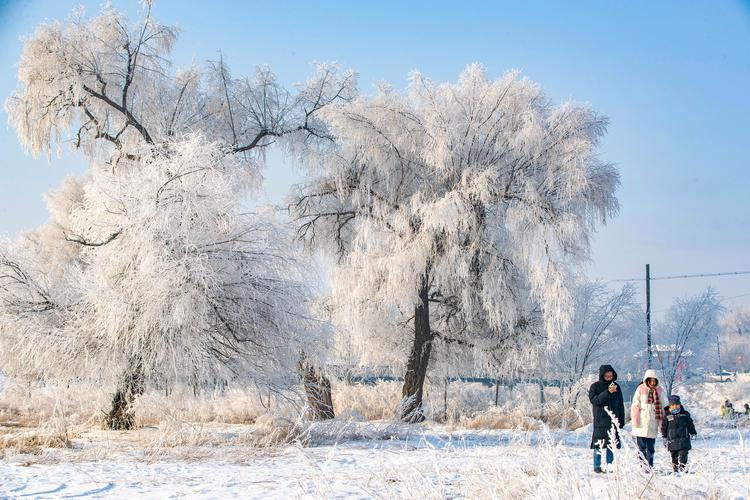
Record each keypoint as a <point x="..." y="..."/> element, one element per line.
<point x="499" y="418"/>
<point x="366" y="402"/>
<point x="196" y="441"/>
<point x="275" y="430"/>
<point x="17" y="439"/>
<point x="470" y="406"/>
<point x="523" y="419"/>
<point x="231" y="406"/>
<point x="33" y="441"/>
<point x="37" y="404"/>
<point x="34" y="405"/>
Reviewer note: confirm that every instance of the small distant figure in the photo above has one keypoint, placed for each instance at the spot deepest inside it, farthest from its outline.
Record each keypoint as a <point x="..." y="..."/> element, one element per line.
<point x="727" y="410"/>
<point x="747" y="409"/>
<point x="677" y="428"/>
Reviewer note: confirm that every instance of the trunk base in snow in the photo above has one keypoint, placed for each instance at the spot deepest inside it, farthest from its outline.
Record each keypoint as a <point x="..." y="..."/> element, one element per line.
<point x="318" y="392"/>
<point x="410" y="409"/>
<point x="121" y="416"/>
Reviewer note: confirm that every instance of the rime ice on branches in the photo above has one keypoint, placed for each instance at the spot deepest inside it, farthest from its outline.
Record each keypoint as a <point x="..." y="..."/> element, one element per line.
<point x="149" y="271"/>
<point x="458" y="212"/>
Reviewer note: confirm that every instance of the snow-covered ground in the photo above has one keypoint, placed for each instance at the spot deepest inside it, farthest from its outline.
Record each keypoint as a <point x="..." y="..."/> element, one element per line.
<point x="376" y="459"/>
<point x="422" y="462"/>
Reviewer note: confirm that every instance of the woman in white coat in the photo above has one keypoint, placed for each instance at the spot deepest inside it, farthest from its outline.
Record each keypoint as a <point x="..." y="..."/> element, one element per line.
<point x="647" y="413"/>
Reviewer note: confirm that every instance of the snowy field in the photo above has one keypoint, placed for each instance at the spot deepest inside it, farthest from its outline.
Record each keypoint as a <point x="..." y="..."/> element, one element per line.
<point x="434" y="230"/>
<point x="278" y="456"/>
<point x="368" y="460"/>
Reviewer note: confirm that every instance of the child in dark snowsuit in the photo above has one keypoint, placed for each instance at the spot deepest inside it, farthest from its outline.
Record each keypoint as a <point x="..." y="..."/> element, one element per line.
<point x="677" y="427"/>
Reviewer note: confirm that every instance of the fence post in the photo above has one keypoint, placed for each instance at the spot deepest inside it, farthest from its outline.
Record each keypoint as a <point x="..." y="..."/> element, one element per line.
<point x="445" y="400"/>
<point x="541" y="392"/>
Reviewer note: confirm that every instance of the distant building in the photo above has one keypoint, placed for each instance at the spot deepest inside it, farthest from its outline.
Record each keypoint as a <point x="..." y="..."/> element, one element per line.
<point x="666" y="354"/>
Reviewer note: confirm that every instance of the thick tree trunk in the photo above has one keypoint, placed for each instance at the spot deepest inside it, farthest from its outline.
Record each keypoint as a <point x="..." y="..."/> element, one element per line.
<point x="416" y="369"/>
<point x="317" y="390"/>
<point x="121" y="416"/>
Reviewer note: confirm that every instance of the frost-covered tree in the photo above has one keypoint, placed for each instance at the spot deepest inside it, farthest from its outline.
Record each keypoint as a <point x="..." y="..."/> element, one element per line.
<point x="690" y="324"/>
<point x="169" y="281"/>
<point x="457" y="212"/>
<point x="148" y="268"/>
<point x="106" y="86"/>
<point x="733" y="338"/>
<point x="601" y="328"/>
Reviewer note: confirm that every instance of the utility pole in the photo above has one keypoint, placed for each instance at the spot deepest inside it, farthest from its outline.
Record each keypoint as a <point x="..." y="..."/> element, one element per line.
<point x="718" y="355"/>
<point x="648" y="315"/>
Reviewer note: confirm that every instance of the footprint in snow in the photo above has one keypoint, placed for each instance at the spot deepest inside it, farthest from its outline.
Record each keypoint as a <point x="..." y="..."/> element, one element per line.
<point x="96" y="490"/>
<point x="51" y="489"/>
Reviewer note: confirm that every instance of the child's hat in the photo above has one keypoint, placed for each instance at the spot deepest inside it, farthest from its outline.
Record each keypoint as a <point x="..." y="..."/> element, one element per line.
<point x="674" y="399"/>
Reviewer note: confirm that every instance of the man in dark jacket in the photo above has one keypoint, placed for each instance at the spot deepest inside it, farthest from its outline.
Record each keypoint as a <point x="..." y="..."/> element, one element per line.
<point x="605" y="393"/>
<point x="676" y="428"/>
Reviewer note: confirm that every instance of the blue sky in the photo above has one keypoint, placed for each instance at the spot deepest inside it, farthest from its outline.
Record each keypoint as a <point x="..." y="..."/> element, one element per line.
<point x="673" y="77"/>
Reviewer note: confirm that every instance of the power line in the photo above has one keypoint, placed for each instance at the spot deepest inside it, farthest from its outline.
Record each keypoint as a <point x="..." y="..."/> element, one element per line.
<point x="733" y="273"/>
<point x="724" y="299"/>
<point x="707" y="275"/>
<point x="679" y="276"/>
<point x="735" y="297"/>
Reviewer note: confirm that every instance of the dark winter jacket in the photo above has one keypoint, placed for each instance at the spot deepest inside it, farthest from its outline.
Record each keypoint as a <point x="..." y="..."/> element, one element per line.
<point x="601" y="398"/>
<point x="677" y="429"/>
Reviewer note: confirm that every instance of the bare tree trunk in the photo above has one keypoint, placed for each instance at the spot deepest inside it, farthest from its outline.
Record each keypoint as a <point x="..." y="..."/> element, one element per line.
<point x="317" y="390"/>
<point x="121" y="416"/>
<point x="416" y="369"/>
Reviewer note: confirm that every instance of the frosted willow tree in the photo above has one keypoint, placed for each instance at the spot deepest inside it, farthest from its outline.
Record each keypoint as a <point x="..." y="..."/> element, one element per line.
<point x="691" y="323"/>
<point x="457" y="212"/>
<point x="734" y="348"/>
<point x="186" y="288"/>
<point x="106" y="87"/>
<point x="602" y="325"/>
<point x="151" y="268"/>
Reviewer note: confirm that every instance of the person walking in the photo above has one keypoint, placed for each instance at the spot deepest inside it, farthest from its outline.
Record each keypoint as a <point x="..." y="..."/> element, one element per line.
<point x="677" y="428"/>
<point x="605" y="395"/>
<point x="647" y="413"/>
